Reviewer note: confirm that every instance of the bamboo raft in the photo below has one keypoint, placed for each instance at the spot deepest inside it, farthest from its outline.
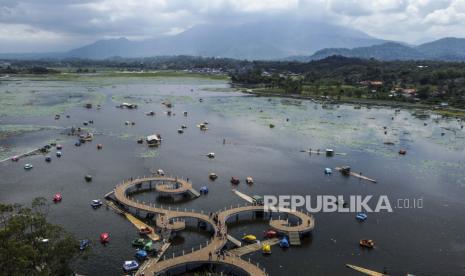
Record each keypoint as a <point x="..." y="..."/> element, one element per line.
<point x="358" y="175"/>
<point x="322" y="152"/>
<point x="365" y="270"/>
<point x="31" y="152"/>
<point x="245" y="197"/>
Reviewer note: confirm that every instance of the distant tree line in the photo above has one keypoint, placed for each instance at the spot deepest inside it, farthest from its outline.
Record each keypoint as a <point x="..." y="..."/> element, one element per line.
<point x="337" y="76"/>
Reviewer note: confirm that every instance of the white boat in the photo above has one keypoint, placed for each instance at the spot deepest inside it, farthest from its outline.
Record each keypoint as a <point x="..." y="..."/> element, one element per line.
<point x="28" y="166"/>
<point x="211" y="155"/>
<point x="130" y="265"/>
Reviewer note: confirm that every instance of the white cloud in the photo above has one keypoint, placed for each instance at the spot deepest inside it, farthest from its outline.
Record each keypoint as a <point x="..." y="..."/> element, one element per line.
<point x="69" y="23"/>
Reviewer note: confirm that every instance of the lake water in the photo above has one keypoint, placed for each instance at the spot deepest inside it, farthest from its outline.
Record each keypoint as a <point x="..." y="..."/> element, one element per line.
<point x="422" y="241"/>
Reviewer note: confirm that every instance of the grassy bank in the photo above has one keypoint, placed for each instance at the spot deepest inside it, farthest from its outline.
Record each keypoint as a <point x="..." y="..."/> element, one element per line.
<point x="277" y="92"/>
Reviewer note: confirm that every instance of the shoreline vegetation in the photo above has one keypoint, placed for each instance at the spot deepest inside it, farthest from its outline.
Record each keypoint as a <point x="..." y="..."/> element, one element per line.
<point x="443" y="111"/>
<point x="435" y="85"/>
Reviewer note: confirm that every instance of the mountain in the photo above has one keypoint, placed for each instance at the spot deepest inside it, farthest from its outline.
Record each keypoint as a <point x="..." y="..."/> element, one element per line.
<point x="447" y="49"/>
<point x="269" y="39"/>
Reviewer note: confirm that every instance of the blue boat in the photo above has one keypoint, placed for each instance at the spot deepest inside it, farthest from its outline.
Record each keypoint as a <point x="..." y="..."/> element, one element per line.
<point x="361" y="216"/>
<point x="96" y="203"/>
<point x="284" y="243"/>
<point x="130" y="265"/>
<point x="141" y="254"/>
<point x="328" y="171"/>
<point x="48" y="158"/>
<point x="83" y="244"/>
<point x="204" y="190"/>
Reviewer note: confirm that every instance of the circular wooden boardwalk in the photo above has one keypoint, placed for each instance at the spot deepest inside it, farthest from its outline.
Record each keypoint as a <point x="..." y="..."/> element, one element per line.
<point x="173" y="219"/>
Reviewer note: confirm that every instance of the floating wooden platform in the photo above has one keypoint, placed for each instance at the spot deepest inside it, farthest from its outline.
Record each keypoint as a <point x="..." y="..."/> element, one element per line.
<point x="247" y="249"/>
<point x="235" y="241"/>
<point x="358" y="175"/>
<point x="154" y="260"/>
<point x="137" y="222"/>
<point x="245" y="197"/>
<point x="113" y="206"/>
<point x="194" y="192"/>
<point x="294" y="238"/>
<point x="140" y="224"/>
<point x="365" y="271"/>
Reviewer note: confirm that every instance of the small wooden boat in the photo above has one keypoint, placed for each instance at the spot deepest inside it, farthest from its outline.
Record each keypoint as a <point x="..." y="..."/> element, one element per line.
<point x="249" y="238"/>
<point x="99" y="146"/>
<point x="130" y="266"/>
<point x="367" y="243"/>
<point x="57" y="198"/>
<point x="140" y="140"/>
<point x="402" y="152"/>
<point x="235" y="180"/>
<point x="104" y="237"/>
<point x="271" y="126"/>
<point x="48" y="159"/>
<point x="212" y="176"/>
<point x="345" y="170"/>
<point x="249" y="180"/>
<point x="266" y="249"/>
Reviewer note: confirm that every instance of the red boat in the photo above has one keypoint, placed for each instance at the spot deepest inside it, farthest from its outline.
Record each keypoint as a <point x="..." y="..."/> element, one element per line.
<point x="104" y="237"/>
<point x="235" y="180"/>
<point x="57" y="198"/>
<point x="270" y="234"/>
<point x="145" y="231"/>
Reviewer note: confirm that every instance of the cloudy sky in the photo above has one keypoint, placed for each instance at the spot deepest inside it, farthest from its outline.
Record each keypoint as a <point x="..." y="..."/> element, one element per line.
<point x="57" y="25"/>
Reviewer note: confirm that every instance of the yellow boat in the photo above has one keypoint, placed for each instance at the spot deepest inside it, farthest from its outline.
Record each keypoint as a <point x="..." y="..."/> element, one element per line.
<point x="249" y="238"/>
<point x="266" y="249"/>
